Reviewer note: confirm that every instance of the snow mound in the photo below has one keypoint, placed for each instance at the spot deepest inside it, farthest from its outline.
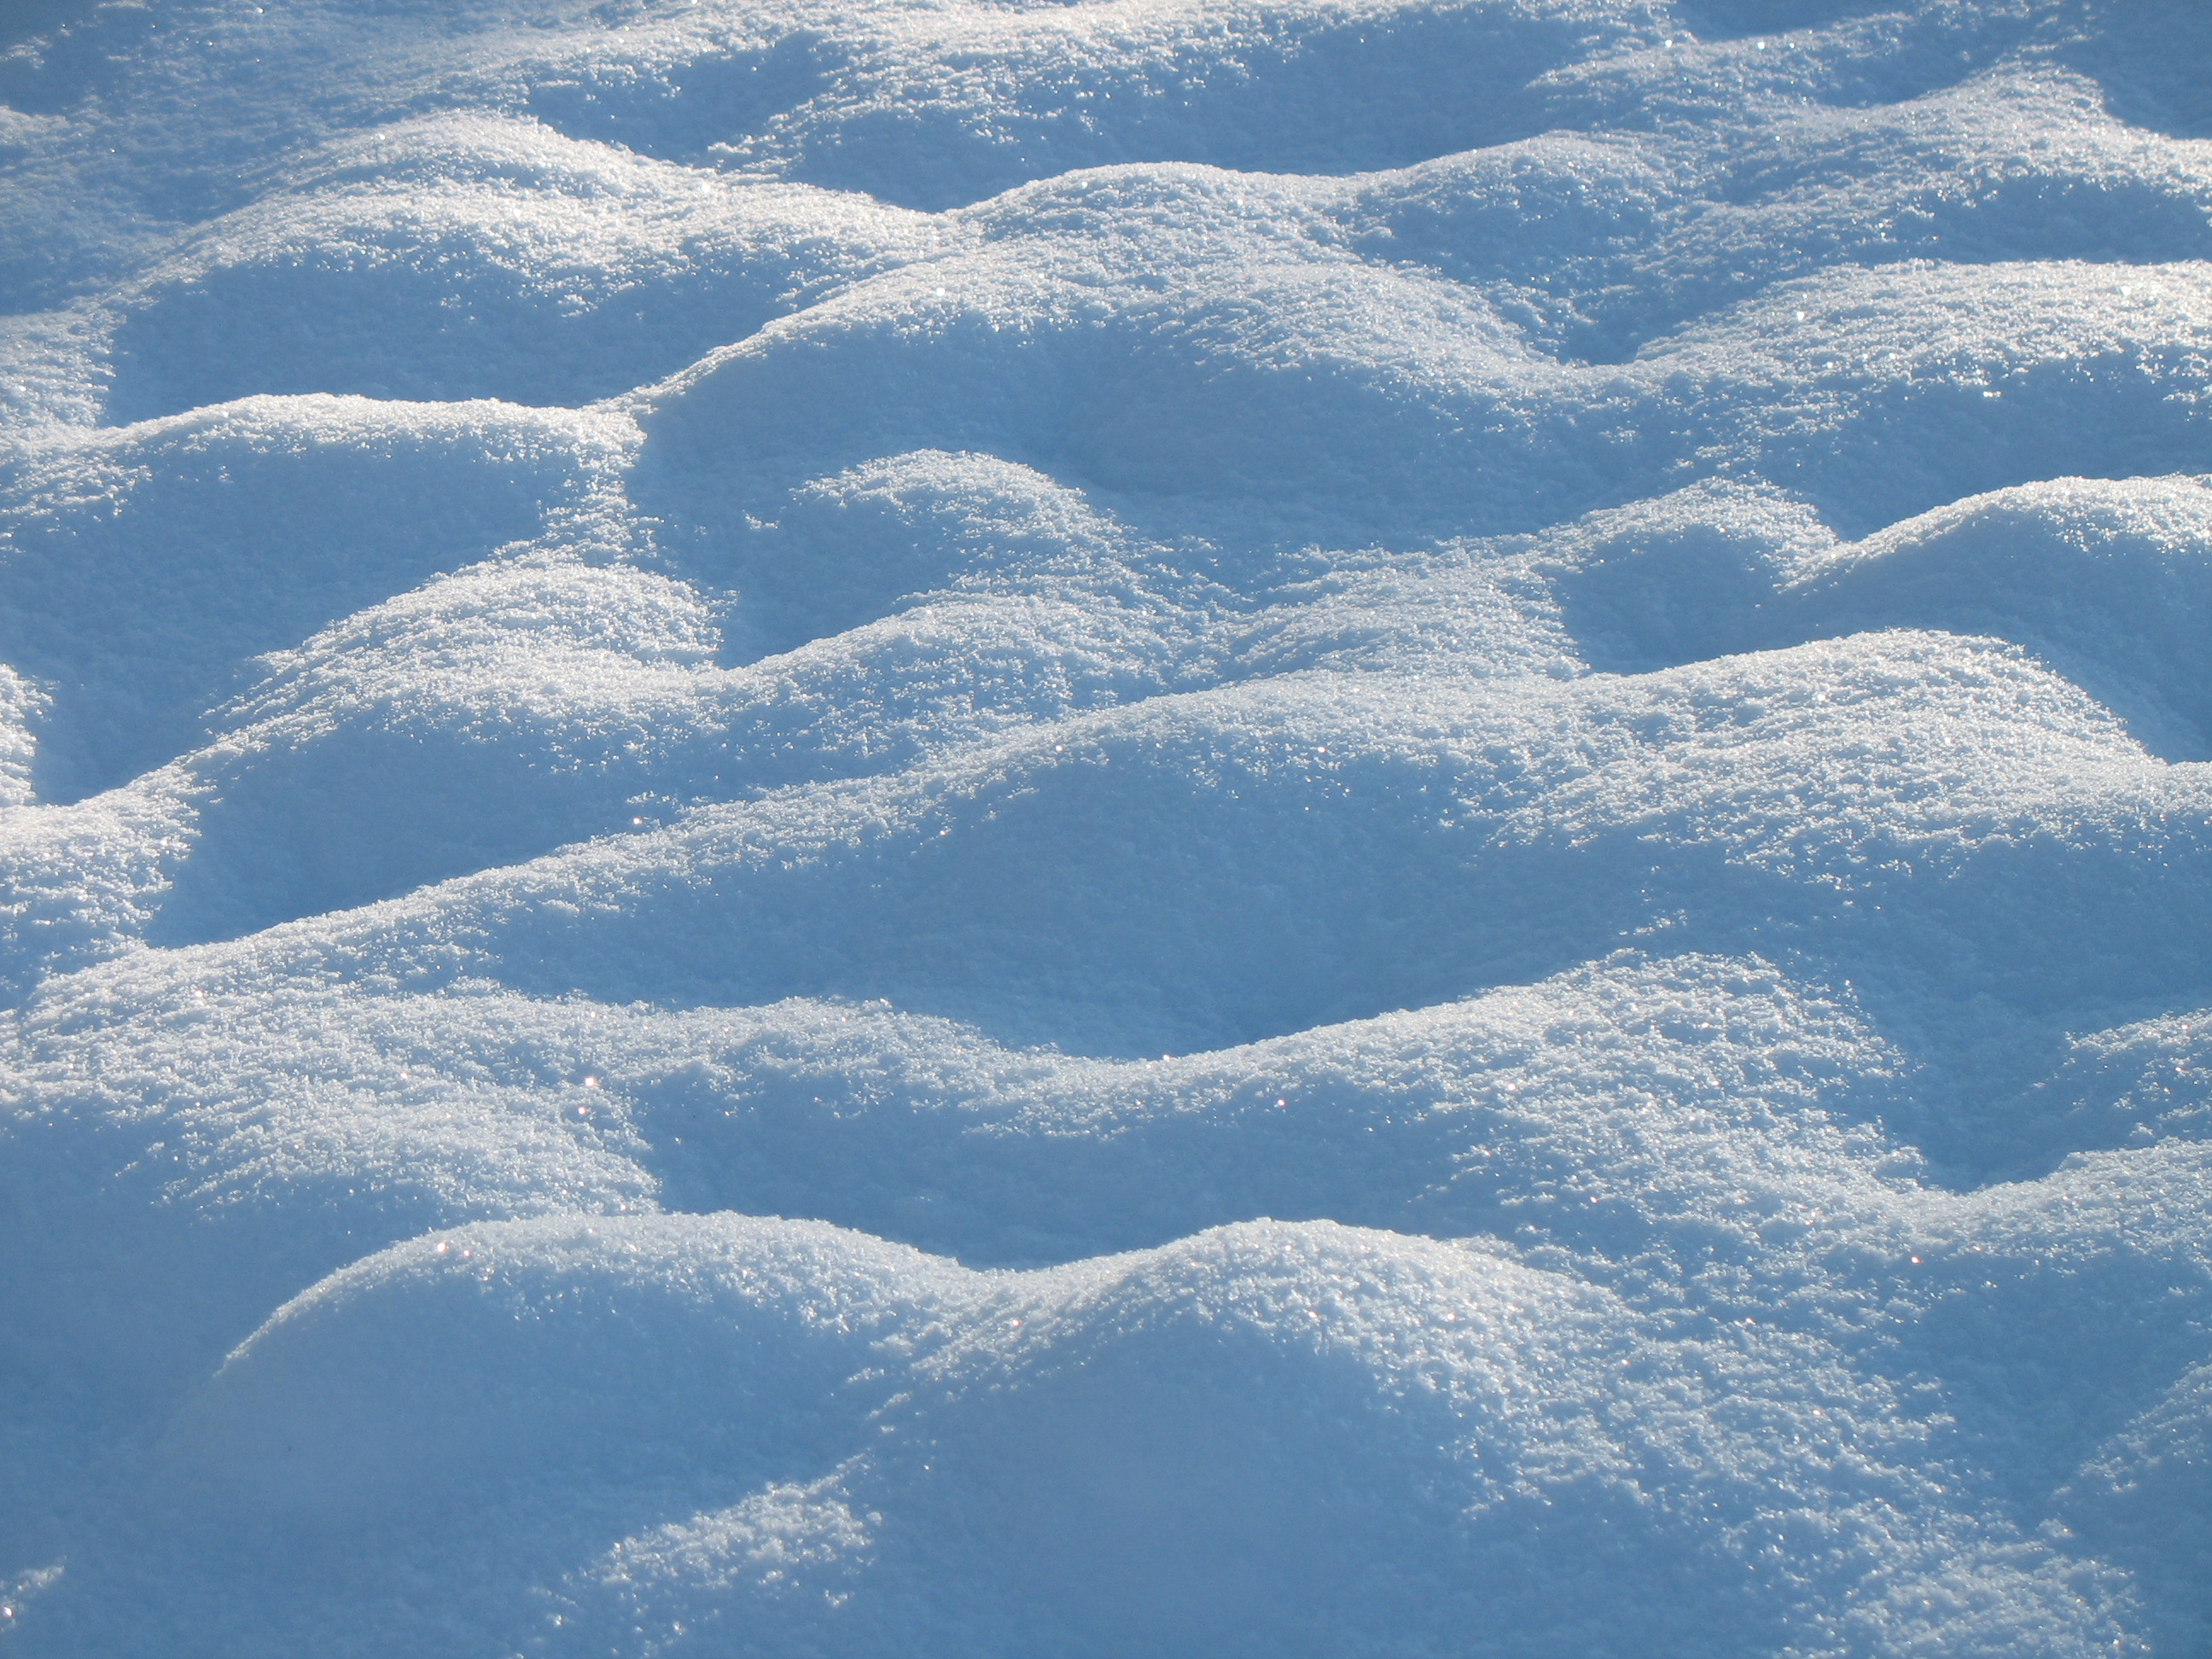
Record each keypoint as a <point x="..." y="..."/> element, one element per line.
<point x="1209" y="827"/>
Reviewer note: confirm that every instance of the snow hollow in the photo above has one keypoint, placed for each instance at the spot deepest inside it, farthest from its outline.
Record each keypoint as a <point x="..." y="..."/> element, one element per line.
<point x="1127" y="829"/>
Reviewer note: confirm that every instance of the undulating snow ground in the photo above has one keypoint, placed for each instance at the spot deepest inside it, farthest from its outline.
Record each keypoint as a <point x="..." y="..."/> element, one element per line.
<point x="987" y="831"/>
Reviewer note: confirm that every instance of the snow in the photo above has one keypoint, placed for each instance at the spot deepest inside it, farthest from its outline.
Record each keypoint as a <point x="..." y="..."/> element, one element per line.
<point x="1277" y="827"/>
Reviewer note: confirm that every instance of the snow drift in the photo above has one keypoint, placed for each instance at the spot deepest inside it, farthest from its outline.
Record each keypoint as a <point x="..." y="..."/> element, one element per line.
<point x="1188" y="828"/>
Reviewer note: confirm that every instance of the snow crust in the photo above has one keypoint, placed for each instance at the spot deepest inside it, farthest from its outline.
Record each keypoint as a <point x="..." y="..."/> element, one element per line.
<point x="1172" y="827"/>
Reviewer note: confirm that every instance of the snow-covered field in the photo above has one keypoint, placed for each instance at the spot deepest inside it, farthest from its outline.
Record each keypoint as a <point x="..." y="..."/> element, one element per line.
<point x="989" y="830"/>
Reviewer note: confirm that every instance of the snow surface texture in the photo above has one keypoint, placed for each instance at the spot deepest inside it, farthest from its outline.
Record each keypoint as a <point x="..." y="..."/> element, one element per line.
<point x="1428" y="777"/>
